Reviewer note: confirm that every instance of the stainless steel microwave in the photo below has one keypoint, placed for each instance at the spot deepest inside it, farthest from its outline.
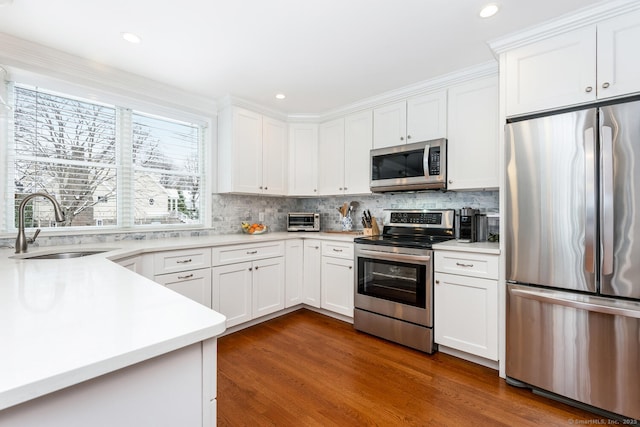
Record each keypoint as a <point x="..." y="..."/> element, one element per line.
<point x="410" y="167"/>
<point x="303" y="221"/>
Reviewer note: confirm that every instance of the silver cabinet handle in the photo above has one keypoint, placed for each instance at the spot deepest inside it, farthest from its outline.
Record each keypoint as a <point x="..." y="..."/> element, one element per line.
<point x="188" y="276"/>
<point x="459" y="264"/>
<point x="437" y="282"/>
<point x="252" y="252"/>
<point x="316" y="247"/>
<point x="408" y="136"/>
<point x="256" y="267"/>
<point x="350" y="267"/>
<point x="402" y="138"/>
<point x="266" y="188"/>
<point x="337" y="250"/>
<point x="605" y="85"/>
<point x="345" y="188"/>
<point x="588" y="89"/>
<point x="450" y="181"/>
<point x="183" y="261"/>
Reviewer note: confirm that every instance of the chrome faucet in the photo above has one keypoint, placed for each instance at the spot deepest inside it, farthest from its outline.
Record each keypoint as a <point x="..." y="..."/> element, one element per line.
<point x="22" y="241"/>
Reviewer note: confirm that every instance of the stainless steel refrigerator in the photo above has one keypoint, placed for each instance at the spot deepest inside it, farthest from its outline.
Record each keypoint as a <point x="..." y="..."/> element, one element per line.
<point x="573" y="255"/>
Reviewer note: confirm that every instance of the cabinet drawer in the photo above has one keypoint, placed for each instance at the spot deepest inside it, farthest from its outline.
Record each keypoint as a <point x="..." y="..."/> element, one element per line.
<point x="181" y="260"/>
<point x="467" y="264"/>
<point x="240" y="253"/>
<point x="193" y="284"/>
<point x="338" y="249"/>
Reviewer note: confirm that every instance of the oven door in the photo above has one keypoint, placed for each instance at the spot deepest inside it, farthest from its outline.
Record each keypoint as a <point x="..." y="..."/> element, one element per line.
<point x="395" y="284"/>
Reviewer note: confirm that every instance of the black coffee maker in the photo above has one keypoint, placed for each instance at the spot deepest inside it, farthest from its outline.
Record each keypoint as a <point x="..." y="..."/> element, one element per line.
<point x="467" y="232"/>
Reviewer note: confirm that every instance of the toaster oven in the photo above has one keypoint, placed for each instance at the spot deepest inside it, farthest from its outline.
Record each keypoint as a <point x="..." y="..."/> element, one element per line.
<point x="303" y="221"/>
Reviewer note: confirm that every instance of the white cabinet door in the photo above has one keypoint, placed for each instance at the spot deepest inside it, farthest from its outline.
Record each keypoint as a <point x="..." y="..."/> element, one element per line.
<point x="337" y="285"/>
<point x="466" y="314"/>
<point x="193" y="284"/>
<point x="473" y="145"/>
<point x="247" y="149"/>
<point x="268" y="286"/>
<point x="294" y="272"/>
<point x="618" y="59"/>
<point x="331" y="158"/>
<point x="274" y="157"/>
<point x="427" y="117"/>
<point x="390" y="125"/>
<point x="358" y="132"/>
<point x="312" y="267"/>
<point x="303" y="159"/>
<point x="551" y="73"/>
<point x="232" y="286"/>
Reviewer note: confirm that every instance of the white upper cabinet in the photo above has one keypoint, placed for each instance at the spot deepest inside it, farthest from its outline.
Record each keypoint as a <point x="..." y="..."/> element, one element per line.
<point x="390" y="125"/>
<point x="473" y="145"/>
<point x="274" y="156"/>
<point x="331" y="158"/>
<point x="418" y="119"/>
<point x="252" y="153"/>
<point x="427" y="117"/>
<point x="358" y="135"/>
<point x="618" y="60"/>
<point x="595" y="62"/>
<point x="343" y="155"/>
<point x="303" y="159"/>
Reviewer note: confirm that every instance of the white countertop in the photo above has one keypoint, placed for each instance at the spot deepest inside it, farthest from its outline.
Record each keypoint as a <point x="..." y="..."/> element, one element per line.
<point x="477" y="247"/>
<point x="66" y="321"/>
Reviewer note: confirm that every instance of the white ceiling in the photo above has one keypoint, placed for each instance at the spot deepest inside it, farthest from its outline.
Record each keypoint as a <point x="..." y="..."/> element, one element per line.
<point x="323" y="54"/>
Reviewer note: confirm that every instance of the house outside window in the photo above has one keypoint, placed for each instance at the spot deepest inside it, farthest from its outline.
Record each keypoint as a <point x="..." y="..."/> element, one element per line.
<point x="103" y="163"/>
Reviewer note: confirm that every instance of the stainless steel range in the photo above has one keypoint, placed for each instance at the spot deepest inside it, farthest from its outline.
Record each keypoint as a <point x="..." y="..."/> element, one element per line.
<point x="394" y="276"/>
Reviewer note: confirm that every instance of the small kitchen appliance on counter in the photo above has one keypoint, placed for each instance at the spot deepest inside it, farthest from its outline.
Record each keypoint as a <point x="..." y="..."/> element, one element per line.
<point x="468" y="225"/>
<point x="303" y="221"/>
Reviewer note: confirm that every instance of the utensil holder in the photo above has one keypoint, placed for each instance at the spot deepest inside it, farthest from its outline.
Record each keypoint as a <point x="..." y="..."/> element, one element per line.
<point x="347" y="223"/>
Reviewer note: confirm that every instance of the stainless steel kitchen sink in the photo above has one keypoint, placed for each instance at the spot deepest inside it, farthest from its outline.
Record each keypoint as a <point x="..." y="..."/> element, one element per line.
<point x="62" y="254"/>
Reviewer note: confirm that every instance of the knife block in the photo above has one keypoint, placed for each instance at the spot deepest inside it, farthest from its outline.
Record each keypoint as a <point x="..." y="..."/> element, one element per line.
<point x="374" y="230"/>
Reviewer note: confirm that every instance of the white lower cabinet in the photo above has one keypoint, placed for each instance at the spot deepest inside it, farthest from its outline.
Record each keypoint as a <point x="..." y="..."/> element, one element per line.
<point x="232" y="285"/>
<point x="268" y="286"/>
<point x="294" y="272"/>
<point x="466" y="302"/>
<point x="311" y="273"/>
<point x="193" y="284"/>
<point x="337" y="278"/>
<point x="243" y="291"/>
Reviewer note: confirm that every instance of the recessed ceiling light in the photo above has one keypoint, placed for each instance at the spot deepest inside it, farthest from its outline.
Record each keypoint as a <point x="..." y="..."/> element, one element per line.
<point x="280" y="96"/>
<point x="489" y="10"/>
<point x="131" y="38"/>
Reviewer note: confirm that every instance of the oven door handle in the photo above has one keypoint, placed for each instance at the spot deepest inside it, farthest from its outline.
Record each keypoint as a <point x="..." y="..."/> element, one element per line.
<point x="393" y="256"/>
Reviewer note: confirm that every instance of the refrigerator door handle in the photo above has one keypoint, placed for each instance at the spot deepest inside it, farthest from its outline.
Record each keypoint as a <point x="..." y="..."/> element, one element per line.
<point x="615" y="308"/>
<point x="590" y="201"/>
<point x="606" y="222"/>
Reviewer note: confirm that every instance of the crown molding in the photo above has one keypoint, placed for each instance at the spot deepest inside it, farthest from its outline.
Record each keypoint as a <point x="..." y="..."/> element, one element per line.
<point x="35" y="58"/>
<point x="442" y="82"/>
<point x="584" y="17"/>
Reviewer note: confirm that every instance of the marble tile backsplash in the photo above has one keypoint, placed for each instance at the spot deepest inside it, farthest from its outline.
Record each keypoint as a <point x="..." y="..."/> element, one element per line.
<point x="228" y="210"/>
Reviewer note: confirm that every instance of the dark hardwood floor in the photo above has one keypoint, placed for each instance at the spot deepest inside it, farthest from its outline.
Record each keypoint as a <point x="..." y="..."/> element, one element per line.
<point x="306" y="369"/>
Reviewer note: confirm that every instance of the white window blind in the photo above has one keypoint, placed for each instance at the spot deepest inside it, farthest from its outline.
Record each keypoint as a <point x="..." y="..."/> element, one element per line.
<point x="106" y="165"/>
<point x="167" y="170"/>
<point x="67" y="148"/>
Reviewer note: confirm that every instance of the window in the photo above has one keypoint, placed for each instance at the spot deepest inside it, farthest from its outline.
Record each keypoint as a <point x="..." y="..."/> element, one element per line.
<point x="108" y="166"/>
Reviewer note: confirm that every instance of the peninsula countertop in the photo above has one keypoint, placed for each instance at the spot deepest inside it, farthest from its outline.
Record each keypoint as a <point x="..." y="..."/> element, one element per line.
<point x="65" y="321"/>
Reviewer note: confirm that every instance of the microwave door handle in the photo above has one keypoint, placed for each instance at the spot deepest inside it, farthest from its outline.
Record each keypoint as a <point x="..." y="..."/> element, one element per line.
<point x="425" y="159"/>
